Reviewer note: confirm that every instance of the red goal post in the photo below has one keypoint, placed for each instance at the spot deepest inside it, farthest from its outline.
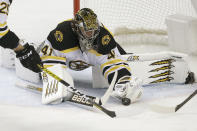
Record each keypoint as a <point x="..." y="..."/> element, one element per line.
<point x="76" y="6"/>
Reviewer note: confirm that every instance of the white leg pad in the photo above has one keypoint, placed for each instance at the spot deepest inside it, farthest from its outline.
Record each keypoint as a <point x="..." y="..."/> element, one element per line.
<point x="53" y="90"/>
<point x="169" y="67"/>
<point x="26" y="74"/>
<point x="7" y="58"/>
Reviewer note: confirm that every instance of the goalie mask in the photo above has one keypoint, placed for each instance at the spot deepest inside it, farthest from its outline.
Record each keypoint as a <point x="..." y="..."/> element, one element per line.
<point x="87" y="27"/>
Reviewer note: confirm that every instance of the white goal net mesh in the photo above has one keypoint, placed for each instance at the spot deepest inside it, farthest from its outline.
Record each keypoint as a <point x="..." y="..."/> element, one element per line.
<point x="142" y="20"/>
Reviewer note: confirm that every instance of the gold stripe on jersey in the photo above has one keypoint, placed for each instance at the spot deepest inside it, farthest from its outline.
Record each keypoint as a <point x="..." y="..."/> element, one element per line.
<point x="66" y="20"/>
<point x="124" y="79"/>
<point x="47" y="66"/>
<point x="53" y="58"/>
<point x="108" y="31"/>
<point x="70" y="50"/>
<point x="4" y="32"/>
<point x="95" y="52"/>
<point x="112" y="62"/>
<point x="2" y="25"/>
<point x="114" y="68"/>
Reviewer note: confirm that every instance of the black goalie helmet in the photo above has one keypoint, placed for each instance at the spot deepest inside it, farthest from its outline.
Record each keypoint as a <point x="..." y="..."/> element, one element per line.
<point x="87" y="27"/>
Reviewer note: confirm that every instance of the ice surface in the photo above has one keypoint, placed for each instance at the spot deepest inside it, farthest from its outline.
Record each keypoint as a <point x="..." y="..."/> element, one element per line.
<point x="21" y="110"/>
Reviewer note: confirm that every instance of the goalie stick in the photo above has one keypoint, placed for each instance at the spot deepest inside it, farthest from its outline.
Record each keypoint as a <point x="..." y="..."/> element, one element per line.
<point x="91" y="99"/>
<point x="107" y="94"/>
<point x="165" y="109"/>
<point x="79" y="99"/>
<point x="185" y="101"/>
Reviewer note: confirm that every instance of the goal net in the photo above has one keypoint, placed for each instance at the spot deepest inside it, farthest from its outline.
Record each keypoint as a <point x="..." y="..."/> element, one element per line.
<point x="138" y="21"/>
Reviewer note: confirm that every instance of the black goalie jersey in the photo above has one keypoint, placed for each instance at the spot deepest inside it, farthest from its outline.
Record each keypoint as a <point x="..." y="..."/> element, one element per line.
<point x="62" y="46"/>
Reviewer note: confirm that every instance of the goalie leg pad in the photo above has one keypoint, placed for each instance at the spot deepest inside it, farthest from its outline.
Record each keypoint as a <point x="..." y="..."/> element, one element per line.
<point x="54" y="91"/>
<point x="26" y="74"/>
<point x="153" y="68"/>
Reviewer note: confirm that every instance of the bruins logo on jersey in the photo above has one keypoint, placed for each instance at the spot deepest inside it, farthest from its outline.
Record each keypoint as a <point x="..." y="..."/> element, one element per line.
<point x="78" y="65"/>
<point x="105" y="40"/>
<point x="58" y="36"/>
